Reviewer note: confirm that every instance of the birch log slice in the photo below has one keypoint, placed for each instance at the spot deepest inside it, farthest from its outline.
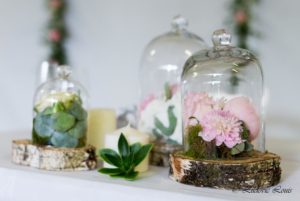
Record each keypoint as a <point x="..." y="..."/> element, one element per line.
<point x="160" y="154"/>
<point x="51" y="158"/>
<point x="259" y="171"/>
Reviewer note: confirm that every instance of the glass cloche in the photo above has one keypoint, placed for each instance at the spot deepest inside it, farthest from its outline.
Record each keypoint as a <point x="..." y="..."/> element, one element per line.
<point x="222" y="91"/>
<point x="60" y="112"/>
<point x="160" y="71"/>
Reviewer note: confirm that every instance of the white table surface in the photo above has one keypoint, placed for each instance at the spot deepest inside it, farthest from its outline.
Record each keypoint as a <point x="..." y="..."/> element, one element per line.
<point x="24" y="183"/>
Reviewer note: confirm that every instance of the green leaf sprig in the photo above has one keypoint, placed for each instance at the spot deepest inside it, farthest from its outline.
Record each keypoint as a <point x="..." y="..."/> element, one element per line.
<point x="162" y="131"/>
<point x="126" y="160"/>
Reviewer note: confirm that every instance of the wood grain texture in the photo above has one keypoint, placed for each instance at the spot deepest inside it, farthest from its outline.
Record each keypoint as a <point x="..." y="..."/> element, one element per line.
<point x="51" y="158"/>
<point x="260" y="171"/>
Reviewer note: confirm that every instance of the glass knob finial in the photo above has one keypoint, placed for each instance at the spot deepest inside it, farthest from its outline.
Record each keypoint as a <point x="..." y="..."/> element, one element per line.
<point x="63" y="72"/>
<point x="179" y="22"/>
<point x="221" y="37"/>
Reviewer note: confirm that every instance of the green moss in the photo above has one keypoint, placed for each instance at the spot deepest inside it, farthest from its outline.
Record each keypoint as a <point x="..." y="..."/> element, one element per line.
<point x="245" y="133"/>
<point x="197" y="147"/>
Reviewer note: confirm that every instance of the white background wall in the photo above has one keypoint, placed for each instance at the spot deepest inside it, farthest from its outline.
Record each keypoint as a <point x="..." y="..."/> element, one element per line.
<point x="107" y="39"/>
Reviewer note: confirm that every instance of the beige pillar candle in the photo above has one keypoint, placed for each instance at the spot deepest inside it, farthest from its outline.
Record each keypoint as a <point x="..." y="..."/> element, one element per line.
<point x="132" y="135"/>
<point x="101" y="121"/>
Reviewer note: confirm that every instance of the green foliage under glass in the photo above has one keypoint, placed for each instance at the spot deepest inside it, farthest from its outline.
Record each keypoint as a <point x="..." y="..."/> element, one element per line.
<point x="61" y="125"/>
<point x="126" y="160"/>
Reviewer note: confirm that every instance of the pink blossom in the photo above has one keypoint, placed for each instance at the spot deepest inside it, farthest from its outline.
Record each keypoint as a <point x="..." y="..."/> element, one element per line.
<point x="221" y="126"/>
<point x="240" y="16"/>
<point x="196" y="105"/>
<point x="244" y="110"/>
<point x="219" y="104"/>
<point x="54" y="35"/>
<point x="146" y="101"/>
<point x="55" y="4"/>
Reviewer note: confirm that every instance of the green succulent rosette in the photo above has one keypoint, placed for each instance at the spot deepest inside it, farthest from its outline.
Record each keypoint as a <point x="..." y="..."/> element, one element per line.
<point x="60" y="121"/>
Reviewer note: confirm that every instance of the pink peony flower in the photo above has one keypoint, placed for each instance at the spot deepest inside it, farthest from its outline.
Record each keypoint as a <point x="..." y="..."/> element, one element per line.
<point x="146" y="101"/>
<point x="244" y="110"/>
<point x="221" y="126"/>
<point x="196" y="105"/>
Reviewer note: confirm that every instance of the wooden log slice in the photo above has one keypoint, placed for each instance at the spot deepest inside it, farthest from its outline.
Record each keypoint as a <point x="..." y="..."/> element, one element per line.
<point x="51" y="158"/>
<point x="259" y="171"/>
<point x="160" y="153"/>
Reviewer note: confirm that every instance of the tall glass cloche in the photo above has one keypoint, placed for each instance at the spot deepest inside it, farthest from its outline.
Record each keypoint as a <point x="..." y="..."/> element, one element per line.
<point x="222" y="91"/>
<point x="160" y="71"/>
<point x="60" y="112"/>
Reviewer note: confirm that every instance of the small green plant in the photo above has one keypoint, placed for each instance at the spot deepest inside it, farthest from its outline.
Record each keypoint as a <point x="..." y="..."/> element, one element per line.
<point x="62" y="124"/>
<point x="126" y="160"/>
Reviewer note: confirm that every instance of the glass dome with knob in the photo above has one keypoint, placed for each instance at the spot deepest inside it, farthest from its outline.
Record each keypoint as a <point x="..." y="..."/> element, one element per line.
<point x="60" y="112"/>
<point x="160" y="72"/>
<point x="222" y="90"/>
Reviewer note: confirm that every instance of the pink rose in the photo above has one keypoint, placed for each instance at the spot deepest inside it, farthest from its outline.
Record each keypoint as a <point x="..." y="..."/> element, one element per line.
<point x="244" y="110"/>
<point x="197" y="105"/>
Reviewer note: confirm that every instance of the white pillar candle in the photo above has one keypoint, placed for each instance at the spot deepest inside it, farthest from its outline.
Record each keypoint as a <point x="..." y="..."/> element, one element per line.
<point x="101" y="121"/>
<point x="132" y="135"/>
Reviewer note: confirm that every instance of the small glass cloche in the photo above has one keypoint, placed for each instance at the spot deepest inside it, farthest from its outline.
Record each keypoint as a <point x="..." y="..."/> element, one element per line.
<point x="160" y="71"/>
<point x="222" y="91"/>
<point x="60" y="112"/>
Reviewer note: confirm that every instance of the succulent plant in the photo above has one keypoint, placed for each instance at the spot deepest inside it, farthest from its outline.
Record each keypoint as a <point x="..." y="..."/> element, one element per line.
<point x="62" y="124"/>
<point x="126" y="160"/>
